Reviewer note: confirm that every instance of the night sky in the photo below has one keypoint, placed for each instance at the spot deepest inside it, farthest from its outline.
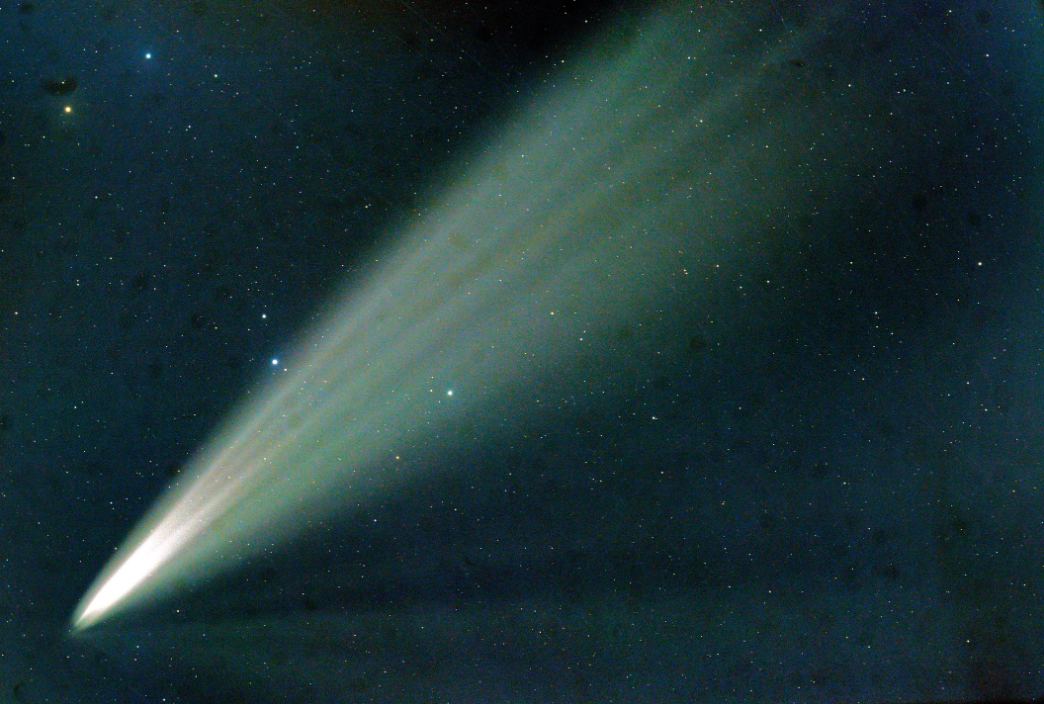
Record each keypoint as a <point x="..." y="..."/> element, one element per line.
<point x="775" y="433"/>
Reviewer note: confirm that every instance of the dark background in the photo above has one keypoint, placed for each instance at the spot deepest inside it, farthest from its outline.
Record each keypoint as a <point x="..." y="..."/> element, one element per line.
<point x="840" y="498"/>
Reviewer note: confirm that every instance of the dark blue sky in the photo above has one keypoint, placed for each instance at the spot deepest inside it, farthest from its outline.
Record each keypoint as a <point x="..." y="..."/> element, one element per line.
<point x="819" y="480"/>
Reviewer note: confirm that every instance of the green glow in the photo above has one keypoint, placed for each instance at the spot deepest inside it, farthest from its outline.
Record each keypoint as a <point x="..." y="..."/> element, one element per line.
<point x="583" y="214"/>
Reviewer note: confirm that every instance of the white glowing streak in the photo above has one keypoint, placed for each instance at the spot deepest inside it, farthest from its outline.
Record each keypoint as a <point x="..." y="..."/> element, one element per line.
<point x="141" y="563"/>
<point x="581" y="216"/>
<point x="159" y="545"/>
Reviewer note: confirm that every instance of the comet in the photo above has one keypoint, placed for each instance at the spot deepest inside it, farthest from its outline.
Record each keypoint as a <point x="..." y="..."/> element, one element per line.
<point x="641" y="161"/>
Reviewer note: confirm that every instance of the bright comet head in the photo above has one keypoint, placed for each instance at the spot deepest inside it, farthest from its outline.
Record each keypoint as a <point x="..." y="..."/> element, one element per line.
<point x="128" y="575"/>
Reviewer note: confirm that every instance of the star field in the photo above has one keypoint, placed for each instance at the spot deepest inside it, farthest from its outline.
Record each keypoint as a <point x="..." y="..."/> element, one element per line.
<point x="555" y="353"/>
